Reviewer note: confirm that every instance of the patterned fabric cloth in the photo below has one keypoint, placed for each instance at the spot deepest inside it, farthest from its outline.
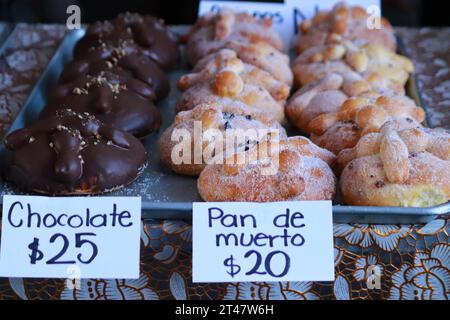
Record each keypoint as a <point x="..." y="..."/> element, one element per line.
<point x="371" y="261"/>
<point x="23" y="59"/>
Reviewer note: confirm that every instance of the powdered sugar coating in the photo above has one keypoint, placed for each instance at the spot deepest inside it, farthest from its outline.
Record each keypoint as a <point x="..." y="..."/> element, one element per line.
<point x="231" y="87"/>
<point x="226" y="59"/>
<point x="320" y="97"/>
<point x="344" y="22"/>
<point x="372" y="62"/>
<point x="213" y="31"/>
<point x="222" y="117"/>
<point x="360" y="115"/>
<point x="303" y="174"/>
<point x="409" y="167"/>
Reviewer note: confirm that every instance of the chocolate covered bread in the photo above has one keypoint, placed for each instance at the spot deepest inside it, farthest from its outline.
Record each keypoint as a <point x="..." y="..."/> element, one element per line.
<point x="73" y="153"/>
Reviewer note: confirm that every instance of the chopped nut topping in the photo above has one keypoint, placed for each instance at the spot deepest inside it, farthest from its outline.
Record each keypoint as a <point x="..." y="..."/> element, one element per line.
<point x="79" y="91"/>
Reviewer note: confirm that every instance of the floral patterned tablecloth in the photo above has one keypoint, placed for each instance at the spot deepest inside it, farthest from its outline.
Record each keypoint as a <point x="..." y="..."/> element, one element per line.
<point x="413" y="261"/>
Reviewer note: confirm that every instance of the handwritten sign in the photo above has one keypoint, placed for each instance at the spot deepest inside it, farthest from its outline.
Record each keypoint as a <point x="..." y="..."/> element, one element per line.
<point x="279" y="241"/>
<point x="286" y="15"/>
<point x="51" y="237"/>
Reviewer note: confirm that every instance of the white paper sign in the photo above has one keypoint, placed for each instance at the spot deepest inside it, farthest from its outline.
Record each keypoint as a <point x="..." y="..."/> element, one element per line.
<point x="287" y="15"/>
<point x="278" y="241"/>
<point x="61" y="237"/>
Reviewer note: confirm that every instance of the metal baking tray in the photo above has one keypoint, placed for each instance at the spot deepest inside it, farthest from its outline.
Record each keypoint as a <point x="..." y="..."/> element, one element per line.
<point x="168" y="195"/>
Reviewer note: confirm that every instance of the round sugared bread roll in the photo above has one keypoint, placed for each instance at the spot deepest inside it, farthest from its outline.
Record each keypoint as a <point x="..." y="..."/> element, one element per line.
<point x="347" y="23"/>
<point x="346" y="134"/>
<point x="408" y="168"/>
<point x="372" y="58"/>
<point x="223" y="129"/>
<point x="323" y="96"/>
<point x="212" y="31"/>
<point x="226" y="59"/>
<point x="147" y="32"/>
<point x="114" y="100"/>
<point x="317" y="62"/>
<point x="259" y="54"/>
<point x="73" y="154"/>
<point x="360" y="115"/>
<point x="228" y="85"/>
<point x="130" y="64"/>
<point x="370" y="110"/>
<point x="372" y="62"/>
<point x="296" y="170"/>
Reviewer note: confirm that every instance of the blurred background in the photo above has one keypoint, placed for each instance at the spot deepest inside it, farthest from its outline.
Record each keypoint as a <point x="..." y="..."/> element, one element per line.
<point x="399" y="12"/>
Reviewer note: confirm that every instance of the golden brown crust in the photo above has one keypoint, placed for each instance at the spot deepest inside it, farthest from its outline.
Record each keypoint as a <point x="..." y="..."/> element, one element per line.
<point x="344" y="22"/>
<point x="351" y="101"/>
<point x="316" y="62"/>
<point x="266" y="57"/>
<point x="303" y="173"/>
<point x="226" y="60"/>
<point x="213" y="31"/>
<point x="228" y="85"/>
<point x="360" y="115"/>
<point x="369" y="111"/>
<point x="222" y="117"/>
<point x="259" y="54"/>
<point x="378" y="66"/>
<point x="322" y="97"/>
<point x="394" y="167"/>
<point x="365" y="183"/>
<point x="341" y="135"/>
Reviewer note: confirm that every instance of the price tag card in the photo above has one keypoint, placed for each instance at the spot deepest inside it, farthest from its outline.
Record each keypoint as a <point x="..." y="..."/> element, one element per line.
<point x="286" y="15"/>
<point x="277" y="241"/>
<point x="61" y="237"/>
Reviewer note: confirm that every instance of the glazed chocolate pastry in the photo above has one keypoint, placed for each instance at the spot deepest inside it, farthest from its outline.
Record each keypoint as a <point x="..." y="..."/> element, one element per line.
<point x="149" y="33"/>
<point x="73" y="153"/>
<point x="126" y="61"/>
<point x="114" y="100"/>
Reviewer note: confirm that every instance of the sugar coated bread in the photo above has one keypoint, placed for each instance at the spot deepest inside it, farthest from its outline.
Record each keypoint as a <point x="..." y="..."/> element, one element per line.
<point x="239" y="128"/>
<point x="320" y="97"/>
<point x="226" y="59"/>
<point x="371" y="62"/>
<point x="360" y="115"/>
<point x="228" y="85"/>
<point x="212" y="31"/>
<point x="297" y="170"/>
<point x="348" y="23"/>
<point x="405" y="168"/>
